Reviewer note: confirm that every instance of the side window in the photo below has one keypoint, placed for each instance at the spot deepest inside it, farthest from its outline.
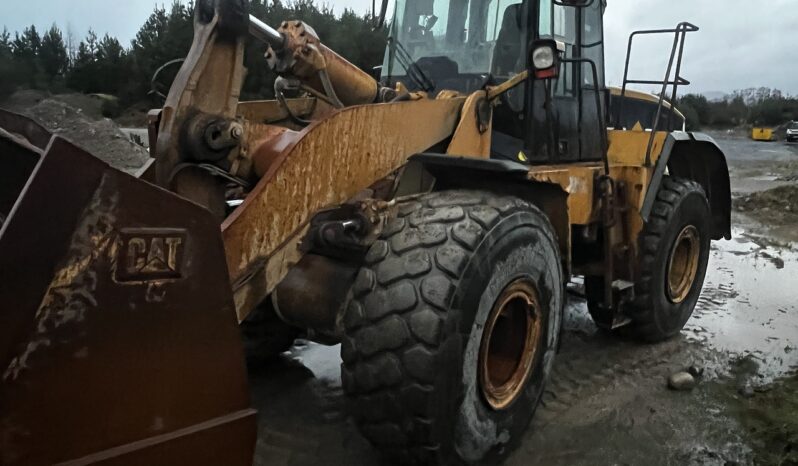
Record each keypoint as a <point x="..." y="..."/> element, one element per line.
<point x="564" y="30"/>
<point x="496" y="11"/>
<point x="545" y="22"/>
<point x="565" y="24"/>
<point x="506" y="29"/>
<point x="593" y="44"/>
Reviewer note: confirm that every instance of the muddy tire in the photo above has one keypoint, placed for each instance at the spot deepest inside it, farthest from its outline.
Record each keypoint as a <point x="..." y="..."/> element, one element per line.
<point x="426" y="383"/>
<point x="674" y="248"/>
<point x="265" y="336"/>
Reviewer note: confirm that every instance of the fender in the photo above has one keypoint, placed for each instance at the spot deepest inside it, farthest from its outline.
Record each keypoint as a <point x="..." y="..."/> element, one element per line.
<point x="697" y="157"/>
<point x="502" y="177"/>
<point x="441" y="165"/>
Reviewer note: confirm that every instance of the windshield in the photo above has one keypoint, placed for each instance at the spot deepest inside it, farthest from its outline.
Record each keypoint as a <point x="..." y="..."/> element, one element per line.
<point x="448" y="39"/>
<point x="794" y="125"/>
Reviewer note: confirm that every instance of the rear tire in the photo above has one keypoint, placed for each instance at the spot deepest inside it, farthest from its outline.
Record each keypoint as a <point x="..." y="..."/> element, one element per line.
<point x="674" y="249"/>
<point x="425" y="383"/>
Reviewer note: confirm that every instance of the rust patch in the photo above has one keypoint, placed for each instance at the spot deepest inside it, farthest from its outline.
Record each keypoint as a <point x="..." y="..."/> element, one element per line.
<point x="70" y="295"/>
<point x="332" y="161"/>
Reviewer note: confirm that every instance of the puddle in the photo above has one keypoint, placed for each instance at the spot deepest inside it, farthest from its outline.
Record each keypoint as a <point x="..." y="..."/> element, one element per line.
<point x="749" y="306"/>
<point x="323" y="361"/>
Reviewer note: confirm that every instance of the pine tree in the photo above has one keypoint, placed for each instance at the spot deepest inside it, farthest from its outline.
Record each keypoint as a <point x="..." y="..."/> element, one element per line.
<point x="52" y="57"/>
<point x="83" y="75"/>
<point x="5" y="44"/>
<point x="112" y="65"/>
<point x="25" y="48"/>
<point x="106" y="66"/>
<point x="8" y="75"/>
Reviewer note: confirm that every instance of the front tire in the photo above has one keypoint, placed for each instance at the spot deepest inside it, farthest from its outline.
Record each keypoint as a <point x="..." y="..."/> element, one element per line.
<point x="453" y="328"/>
<point x="674" y="249"/>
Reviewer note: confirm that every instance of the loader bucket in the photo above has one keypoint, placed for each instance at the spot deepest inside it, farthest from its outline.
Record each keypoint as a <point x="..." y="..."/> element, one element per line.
<point x="118" y="337"/>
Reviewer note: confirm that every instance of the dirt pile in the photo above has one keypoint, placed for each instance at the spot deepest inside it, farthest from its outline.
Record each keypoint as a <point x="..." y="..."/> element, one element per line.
<point x="777" y="206"/>
<point x="99" y="136"/>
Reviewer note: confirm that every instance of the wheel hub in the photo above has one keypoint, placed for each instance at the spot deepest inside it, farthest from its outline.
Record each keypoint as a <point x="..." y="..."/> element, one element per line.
<point x="683" y="264"/>
<point x="509" y="344"/>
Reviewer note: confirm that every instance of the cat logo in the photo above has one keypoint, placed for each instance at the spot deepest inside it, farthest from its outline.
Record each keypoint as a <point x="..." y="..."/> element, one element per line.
<point x="148" y="254"/>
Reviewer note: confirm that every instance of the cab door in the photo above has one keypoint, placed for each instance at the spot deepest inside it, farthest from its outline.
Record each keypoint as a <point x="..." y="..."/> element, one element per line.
<point x="567" y="130"/>
<point x="591" y="46"/>
<point x="553" y="123"/>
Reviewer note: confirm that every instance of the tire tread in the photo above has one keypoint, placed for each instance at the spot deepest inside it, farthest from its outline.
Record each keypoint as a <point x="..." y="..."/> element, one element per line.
<point x="459" y="221"/>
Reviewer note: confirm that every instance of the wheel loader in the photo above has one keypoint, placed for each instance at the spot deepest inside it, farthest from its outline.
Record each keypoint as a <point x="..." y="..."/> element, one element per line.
<point x="428" y="220"/>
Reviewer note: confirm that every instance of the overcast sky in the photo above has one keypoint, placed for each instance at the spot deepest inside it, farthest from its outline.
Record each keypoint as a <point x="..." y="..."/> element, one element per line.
<point x="741" y="43"/>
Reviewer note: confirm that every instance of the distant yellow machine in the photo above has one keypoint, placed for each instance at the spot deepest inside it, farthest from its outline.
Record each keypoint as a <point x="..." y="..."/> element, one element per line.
<point x="763" y="134"/>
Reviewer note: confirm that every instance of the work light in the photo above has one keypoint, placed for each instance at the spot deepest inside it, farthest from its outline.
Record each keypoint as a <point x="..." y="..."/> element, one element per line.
<point x="545" y="59"/>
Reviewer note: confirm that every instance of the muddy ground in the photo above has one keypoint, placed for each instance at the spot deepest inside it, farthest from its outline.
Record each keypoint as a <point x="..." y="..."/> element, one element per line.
<point x="608" y="401"/>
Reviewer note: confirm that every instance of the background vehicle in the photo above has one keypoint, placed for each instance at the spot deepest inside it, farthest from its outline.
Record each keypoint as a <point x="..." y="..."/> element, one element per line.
<point x="792" y="132"/>
<point x="428" y="222"/>
<point x="763" y="134"/>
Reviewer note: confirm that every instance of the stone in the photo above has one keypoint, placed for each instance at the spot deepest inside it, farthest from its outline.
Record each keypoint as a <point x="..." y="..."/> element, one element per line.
<point x="695" y="371"/>
<point x="746" y="390"/>
<point x="681" y="381"/>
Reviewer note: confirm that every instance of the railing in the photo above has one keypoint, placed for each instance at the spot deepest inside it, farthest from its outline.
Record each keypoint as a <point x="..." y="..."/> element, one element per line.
<point x="677" y="52"/>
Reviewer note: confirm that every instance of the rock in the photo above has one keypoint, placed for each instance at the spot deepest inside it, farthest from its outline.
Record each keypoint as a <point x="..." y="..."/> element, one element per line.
<point x="681" y="381"/>
<point x="695" y="371"/>
<point x="746" y="390"/>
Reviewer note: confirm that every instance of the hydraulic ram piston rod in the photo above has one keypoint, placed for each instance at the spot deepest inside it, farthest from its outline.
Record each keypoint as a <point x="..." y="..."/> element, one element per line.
<point x="265" y="33"/>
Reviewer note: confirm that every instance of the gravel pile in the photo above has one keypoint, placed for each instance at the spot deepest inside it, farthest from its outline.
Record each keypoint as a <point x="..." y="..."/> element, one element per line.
<point x="100" y="137"/>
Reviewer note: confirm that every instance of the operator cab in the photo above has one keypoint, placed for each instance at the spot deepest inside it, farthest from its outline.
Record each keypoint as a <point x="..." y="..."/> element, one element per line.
<point x="464" y="45"/>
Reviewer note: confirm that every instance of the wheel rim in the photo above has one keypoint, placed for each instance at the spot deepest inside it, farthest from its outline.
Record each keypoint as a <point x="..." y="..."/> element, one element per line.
<point x="683" y="264"/>
<point x="509" y="344"/>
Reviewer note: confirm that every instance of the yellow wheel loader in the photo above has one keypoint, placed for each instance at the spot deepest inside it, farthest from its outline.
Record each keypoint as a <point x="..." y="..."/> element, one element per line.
<point x="428" y="221"/>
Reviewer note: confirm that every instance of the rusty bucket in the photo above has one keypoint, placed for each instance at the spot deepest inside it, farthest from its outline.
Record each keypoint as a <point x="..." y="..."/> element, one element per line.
<point x="118" y="337"/>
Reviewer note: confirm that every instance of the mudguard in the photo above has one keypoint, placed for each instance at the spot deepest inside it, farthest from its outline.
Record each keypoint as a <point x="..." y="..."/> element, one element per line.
<point x="118" y="337"/>
<point x="696" y="156"/>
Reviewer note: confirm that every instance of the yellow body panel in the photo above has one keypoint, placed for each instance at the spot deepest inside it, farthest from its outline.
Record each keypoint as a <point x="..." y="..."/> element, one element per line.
<point x="469" y="139"/>
<point x="629" y="147"/>
<point x="578" y="181"/>
<point x="627" y="154"/>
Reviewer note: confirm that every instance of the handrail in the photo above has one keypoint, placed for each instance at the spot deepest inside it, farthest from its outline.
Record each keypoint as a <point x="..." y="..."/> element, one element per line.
<point x="677" y="53"/>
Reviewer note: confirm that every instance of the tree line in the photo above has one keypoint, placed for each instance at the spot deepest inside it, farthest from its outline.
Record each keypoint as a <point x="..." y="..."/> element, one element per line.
<point x="56" y="62"/>
<point x="756" y="106"/>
